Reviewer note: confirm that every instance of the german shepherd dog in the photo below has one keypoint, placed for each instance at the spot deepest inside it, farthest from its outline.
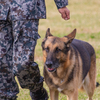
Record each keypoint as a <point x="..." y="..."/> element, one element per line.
<point x="69" y="65"/>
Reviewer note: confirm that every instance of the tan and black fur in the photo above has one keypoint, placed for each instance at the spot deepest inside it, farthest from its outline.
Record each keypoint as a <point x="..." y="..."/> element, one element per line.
<point x="69" y="65"/>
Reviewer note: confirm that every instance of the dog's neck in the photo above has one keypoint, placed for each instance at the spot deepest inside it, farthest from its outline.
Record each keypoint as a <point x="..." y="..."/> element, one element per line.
<point x="62" y="69"/>
<point x="65" y="69"/>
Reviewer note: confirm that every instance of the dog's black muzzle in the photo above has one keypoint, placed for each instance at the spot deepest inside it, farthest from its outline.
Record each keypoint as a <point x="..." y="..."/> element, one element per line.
<point x="49" y="65"/>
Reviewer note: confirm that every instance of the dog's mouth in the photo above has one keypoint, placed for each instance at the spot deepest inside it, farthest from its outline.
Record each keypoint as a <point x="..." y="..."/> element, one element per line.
<point x="51" y="69"/>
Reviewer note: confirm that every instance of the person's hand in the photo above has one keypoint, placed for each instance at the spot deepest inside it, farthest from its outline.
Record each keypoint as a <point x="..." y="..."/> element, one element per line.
<point x="65" y="13"/>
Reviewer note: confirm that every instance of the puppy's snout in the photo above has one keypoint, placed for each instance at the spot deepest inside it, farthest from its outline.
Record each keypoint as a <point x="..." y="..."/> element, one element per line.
<point x="49" y="64"/>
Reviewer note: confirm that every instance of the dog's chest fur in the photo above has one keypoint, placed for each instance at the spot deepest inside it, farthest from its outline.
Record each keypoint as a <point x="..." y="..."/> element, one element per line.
<point x="60" y="80"/>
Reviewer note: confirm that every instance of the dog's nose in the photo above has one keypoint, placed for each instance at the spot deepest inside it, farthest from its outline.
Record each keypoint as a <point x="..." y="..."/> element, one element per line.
<point x="49" y="64"/>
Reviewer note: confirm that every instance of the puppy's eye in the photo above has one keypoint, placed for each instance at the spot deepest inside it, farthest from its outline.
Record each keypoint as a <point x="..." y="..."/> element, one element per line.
<point x="57" y="50"/>
<point x="47" y="49"/>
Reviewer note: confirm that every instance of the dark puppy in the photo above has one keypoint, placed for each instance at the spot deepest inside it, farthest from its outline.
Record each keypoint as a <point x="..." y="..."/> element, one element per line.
<point x="69" y="64"/>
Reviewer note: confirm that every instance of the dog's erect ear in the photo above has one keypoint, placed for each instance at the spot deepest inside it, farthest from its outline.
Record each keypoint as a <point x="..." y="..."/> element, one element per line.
<point x="42" y="44"/>
<point x="48" y="33"/>
<point x="71" y="36"/>
<point x="68" y="39"/>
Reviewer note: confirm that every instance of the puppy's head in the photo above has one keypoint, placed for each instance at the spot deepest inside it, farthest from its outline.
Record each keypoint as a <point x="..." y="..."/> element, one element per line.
<point x="55" y="49"/>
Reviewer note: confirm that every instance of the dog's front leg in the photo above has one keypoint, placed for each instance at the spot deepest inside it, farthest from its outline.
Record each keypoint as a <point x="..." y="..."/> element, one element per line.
<point x="73" y="95"/>
<point x="53" y="94"/>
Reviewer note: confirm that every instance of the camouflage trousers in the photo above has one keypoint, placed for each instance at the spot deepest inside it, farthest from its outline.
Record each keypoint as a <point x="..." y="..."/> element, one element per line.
<point x="17" y="44"/>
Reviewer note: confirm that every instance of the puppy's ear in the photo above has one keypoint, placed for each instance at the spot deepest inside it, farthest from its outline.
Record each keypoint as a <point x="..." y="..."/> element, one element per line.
<point x="69" y="38"/>
<point x="48" y="33"/>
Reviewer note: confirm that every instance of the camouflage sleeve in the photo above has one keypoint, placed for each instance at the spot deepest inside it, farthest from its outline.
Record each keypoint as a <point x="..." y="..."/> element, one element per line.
<point x="4" y="8"/>
<point x="61" y="3"/>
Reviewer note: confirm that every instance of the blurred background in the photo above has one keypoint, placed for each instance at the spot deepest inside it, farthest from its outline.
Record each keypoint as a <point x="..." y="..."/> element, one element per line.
<point x="85" y="17"/>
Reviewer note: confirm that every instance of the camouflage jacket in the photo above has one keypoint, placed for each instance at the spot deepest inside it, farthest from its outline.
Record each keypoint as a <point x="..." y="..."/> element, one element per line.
<point x="26" y="9"/>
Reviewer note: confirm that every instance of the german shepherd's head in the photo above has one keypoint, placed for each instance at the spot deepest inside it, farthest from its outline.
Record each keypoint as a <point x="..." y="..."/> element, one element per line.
<point x="55" y="50"/>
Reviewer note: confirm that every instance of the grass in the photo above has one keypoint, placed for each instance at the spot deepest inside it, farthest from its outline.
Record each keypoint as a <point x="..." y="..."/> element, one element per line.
<point x="85" y="17"/>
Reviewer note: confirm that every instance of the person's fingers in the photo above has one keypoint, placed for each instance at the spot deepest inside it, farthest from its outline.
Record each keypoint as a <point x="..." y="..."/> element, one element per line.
<point x="64" y="16"/>
<point x="68" y="14"/>
<point x="65" y="13"/>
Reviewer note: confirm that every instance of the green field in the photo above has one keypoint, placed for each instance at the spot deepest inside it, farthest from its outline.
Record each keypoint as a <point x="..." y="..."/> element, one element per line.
<point x="85" y="17"/>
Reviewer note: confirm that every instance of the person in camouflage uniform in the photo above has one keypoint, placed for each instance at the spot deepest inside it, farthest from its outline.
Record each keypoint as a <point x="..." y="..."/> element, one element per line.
<point x="19" y="20"/>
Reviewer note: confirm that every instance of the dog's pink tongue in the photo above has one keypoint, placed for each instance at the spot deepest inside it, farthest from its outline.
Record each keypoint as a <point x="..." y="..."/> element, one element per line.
<point x="50" y="68"/>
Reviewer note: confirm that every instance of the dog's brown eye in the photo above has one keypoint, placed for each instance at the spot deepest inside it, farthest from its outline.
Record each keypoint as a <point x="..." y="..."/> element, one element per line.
<point x="57" y="50"/>
<point x="47" y="49"/>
